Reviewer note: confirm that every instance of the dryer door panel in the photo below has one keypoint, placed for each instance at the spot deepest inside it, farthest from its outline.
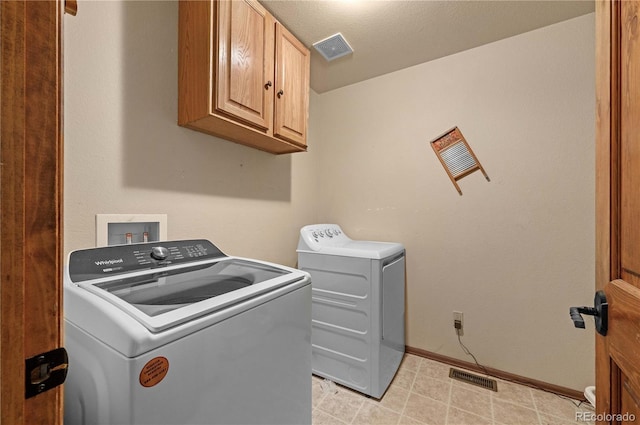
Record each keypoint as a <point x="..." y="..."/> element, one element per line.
<point x="393" y="304"/>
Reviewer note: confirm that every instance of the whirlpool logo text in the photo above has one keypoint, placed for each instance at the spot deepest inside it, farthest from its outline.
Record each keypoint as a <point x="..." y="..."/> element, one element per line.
<point x="109" y="262"/>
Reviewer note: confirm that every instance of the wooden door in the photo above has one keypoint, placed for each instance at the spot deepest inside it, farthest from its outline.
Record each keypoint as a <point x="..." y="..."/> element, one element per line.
<point x="618" y="208"/>
<point x="31" y="189"/>
<point x="244" y="74"/>
<point x="292" y="87"/>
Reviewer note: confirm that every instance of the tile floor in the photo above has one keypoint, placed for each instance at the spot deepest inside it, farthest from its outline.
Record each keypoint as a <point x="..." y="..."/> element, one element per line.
<point x="422" y="393"/>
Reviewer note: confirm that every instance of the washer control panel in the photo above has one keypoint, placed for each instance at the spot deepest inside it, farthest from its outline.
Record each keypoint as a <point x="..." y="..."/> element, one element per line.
<point x="88" y="264"/>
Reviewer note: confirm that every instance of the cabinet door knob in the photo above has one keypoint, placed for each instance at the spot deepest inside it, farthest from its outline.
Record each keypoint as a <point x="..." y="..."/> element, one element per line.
<point x="266" y="86"/>
<point x="280" y="93"/>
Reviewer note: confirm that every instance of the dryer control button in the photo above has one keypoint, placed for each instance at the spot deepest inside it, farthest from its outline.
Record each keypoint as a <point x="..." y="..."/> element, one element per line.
<point x="159" y="253"/>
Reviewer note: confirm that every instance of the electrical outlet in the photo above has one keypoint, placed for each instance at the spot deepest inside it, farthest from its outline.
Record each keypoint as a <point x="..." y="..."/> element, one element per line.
<point x="458" y="322"/>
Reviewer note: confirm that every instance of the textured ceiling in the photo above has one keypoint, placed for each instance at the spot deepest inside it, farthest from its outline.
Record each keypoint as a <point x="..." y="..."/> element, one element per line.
<point x="394" y="34"/>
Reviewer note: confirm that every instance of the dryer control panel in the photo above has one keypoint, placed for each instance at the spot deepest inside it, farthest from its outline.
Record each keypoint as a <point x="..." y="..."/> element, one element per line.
<point x="329" y="239"/>
<point x="318" y="235"/>
<point x="94" y="263"/>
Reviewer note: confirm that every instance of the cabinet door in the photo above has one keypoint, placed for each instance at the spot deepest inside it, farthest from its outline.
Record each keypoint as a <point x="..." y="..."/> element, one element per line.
<point x="244" y="74"/>
<point x="292" y="88"/>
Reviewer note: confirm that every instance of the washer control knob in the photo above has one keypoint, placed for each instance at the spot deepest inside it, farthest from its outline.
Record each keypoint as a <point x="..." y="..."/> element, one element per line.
<point x="159" y="253"/>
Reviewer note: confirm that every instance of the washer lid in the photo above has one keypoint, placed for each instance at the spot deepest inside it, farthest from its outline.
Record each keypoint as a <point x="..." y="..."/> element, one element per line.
<point x="165" y="284"/>
<point x="162" y="299"/>
<point x="161" y="292"/>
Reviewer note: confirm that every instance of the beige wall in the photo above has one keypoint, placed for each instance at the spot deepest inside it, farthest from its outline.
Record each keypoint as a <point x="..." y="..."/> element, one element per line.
<point x="124" y="152"/>
<point x="512" y="254"/>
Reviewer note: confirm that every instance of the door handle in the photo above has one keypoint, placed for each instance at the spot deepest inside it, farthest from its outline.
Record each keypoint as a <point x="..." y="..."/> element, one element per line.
<point x="600" y="312"/>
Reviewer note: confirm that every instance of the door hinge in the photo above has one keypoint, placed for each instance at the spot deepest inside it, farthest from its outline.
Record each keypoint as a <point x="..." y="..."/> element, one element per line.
<point x="45" y="371"/>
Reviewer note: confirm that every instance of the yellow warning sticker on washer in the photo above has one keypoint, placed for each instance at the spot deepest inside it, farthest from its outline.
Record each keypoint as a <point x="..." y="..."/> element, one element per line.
<point x="154" y="371"/>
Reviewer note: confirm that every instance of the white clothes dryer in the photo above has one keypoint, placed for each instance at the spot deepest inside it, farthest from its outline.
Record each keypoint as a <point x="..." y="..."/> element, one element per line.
<point x="180" y="333"/>
<point x="358" y="291"/>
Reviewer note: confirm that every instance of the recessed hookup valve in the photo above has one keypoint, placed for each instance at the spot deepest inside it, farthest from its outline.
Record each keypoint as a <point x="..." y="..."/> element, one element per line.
<point x="600" y="311"/>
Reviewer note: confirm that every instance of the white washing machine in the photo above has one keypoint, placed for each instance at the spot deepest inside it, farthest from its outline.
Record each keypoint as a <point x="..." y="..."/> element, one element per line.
<point x="179" y="333"/>
<point x="358" y="307"/>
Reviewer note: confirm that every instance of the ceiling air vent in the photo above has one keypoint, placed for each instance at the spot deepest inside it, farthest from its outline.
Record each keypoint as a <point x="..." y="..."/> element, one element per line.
<point x="333" y="47"/>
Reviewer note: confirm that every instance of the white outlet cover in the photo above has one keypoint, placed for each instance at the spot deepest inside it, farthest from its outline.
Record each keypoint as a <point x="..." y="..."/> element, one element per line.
<point x="457" y="315"/>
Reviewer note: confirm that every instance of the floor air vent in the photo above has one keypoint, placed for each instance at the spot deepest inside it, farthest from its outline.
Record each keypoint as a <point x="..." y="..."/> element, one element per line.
<point x="470" y="378"/>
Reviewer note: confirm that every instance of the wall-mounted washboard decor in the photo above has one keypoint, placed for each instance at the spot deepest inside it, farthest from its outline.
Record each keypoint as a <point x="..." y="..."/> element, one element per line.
<point x="456" y="156"/>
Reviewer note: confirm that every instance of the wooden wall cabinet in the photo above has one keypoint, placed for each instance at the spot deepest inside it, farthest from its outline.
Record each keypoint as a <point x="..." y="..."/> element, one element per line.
<point x="242" y="75"/>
